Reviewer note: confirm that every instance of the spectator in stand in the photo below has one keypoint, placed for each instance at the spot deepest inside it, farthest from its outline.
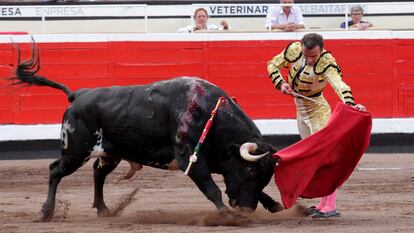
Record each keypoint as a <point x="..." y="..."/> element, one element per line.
<point x="356" y="21"/>
<point x="286" y="17"/>
<point x="200" y="23"/>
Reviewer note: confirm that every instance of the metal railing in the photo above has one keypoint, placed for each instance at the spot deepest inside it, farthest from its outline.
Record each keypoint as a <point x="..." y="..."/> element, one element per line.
<point x="141" y="12"/>
<point x="309" y="10"/>
<point x="134" y="11"/>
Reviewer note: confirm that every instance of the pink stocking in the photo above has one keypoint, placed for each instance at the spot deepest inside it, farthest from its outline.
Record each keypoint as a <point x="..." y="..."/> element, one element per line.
<point x="330" y="203"/>
<point x="322" y="203"/>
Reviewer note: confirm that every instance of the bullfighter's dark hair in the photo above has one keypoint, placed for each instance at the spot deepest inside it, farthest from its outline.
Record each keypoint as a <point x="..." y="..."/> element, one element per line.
<point x="311" y="40"/>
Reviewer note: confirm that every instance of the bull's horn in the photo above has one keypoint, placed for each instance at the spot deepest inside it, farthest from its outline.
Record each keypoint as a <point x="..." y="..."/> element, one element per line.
<point x="248" y="147"/>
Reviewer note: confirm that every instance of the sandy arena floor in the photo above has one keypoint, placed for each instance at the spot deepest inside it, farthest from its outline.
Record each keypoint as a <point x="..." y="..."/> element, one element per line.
<point x="379" y="200"/>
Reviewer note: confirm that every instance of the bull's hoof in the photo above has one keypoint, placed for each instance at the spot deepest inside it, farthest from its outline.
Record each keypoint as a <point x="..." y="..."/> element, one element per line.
<point x="233" y="203"/>
<point x="102" y="210"/>
<point x="231" y="218"/>
<point x="245" y="210"/>
<point x="45" y="217"/>
<point x="275" y="208"/>
<point x="105" y="212"/>
<point x="46" y="213"/>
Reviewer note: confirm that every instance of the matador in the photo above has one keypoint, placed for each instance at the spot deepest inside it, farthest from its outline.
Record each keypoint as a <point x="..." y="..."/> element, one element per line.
<point x="310" y="69"/>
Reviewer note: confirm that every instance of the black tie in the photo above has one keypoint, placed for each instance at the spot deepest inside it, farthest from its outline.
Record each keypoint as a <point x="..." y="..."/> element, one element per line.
<point x="297" y="75"/>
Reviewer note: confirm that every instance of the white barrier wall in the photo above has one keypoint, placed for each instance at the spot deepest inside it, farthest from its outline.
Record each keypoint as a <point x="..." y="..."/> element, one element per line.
<point x="168" y="18"/>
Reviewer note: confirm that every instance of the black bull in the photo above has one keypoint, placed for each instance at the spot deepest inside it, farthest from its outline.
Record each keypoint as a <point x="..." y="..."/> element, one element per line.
<point x="158" y="125"/>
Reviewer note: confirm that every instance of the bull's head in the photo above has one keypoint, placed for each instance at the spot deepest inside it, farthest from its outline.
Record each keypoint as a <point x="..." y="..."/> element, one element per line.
<point x="247" y="169"/>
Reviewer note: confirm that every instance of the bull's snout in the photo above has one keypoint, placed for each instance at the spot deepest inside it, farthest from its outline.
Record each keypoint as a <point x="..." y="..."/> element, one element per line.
<point x="233" y="203"/>
<point x="245" y="209"/>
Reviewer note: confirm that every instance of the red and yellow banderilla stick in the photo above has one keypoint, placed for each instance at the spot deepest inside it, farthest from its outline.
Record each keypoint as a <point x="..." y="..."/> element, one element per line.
<point x="193" y="157"/>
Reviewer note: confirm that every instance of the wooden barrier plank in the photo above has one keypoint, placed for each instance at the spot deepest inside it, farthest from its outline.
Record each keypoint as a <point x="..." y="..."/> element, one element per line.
<point x="379" y="72"/>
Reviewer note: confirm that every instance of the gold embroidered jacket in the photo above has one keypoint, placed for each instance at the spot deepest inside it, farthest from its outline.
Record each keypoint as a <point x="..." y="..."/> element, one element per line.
<point x="312" y="80"/>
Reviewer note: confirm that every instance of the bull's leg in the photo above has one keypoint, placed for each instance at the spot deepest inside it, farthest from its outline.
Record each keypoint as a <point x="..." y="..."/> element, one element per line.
<point x="77" y="142"/>
<point x="206" y="184"/>
<point x="270" y="204"/>
<point x="101" y="168"/>
<point x="201" y="176"/>
<point x="64" y="166"/>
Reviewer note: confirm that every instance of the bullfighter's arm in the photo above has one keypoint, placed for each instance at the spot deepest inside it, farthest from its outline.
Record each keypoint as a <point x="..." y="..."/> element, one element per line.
<point x="327" y="66"/>
<point x="291" y="54"/>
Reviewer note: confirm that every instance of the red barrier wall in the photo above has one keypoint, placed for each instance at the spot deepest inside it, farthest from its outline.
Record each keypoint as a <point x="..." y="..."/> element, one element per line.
<point x="380" y="73"/>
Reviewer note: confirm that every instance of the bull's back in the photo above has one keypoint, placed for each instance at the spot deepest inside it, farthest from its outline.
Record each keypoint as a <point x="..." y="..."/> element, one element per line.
<point x="144" y="116"/>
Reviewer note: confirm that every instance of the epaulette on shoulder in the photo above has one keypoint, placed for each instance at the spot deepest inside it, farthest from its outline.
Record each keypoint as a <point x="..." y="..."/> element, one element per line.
<point x="293" y="52"/>
<point x="325" y="61"/>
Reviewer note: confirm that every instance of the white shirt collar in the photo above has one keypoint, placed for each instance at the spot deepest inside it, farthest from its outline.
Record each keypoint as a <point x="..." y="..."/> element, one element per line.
<point x="281" y="12"/>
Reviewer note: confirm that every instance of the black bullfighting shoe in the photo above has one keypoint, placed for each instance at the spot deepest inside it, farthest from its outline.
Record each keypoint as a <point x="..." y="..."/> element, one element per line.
<point x="311" y="211"/>
<point x="329" y="214"/>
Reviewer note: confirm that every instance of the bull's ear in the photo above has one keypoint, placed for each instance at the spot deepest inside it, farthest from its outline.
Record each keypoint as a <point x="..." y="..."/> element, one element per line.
<point x="265" y="147"/>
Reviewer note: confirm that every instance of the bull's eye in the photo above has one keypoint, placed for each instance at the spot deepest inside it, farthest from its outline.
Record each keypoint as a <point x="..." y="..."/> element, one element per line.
<point x="250" y="171"/>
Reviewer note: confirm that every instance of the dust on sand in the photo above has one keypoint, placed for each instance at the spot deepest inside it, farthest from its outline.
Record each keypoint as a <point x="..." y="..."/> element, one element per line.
<point x="370" y="201"/>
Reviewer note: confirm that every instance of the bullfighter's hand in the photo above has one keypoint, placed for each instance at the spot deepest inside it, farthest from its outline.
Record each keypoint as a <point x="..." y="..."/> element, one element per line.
<point x="286" y="89"/>
<point x="360" y="107"/>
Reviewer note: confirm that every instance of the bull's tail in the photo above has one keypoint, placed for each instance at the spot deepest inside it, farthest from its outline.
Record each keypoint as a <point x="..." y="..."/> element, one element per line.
<point x="26" y="72"/>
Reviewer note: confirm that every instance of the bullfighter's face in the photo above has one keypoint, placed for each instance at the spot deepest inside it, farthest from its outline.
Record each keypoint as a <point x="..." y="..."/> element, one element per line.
<point x="311" y="56"/>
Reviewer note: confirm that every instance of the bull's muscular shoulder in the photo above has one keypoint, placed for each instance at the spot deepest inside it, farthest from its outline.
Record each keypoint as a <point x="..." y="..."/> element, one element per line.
<point x="325" y="61"/>
<point x="293" y="52"/>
